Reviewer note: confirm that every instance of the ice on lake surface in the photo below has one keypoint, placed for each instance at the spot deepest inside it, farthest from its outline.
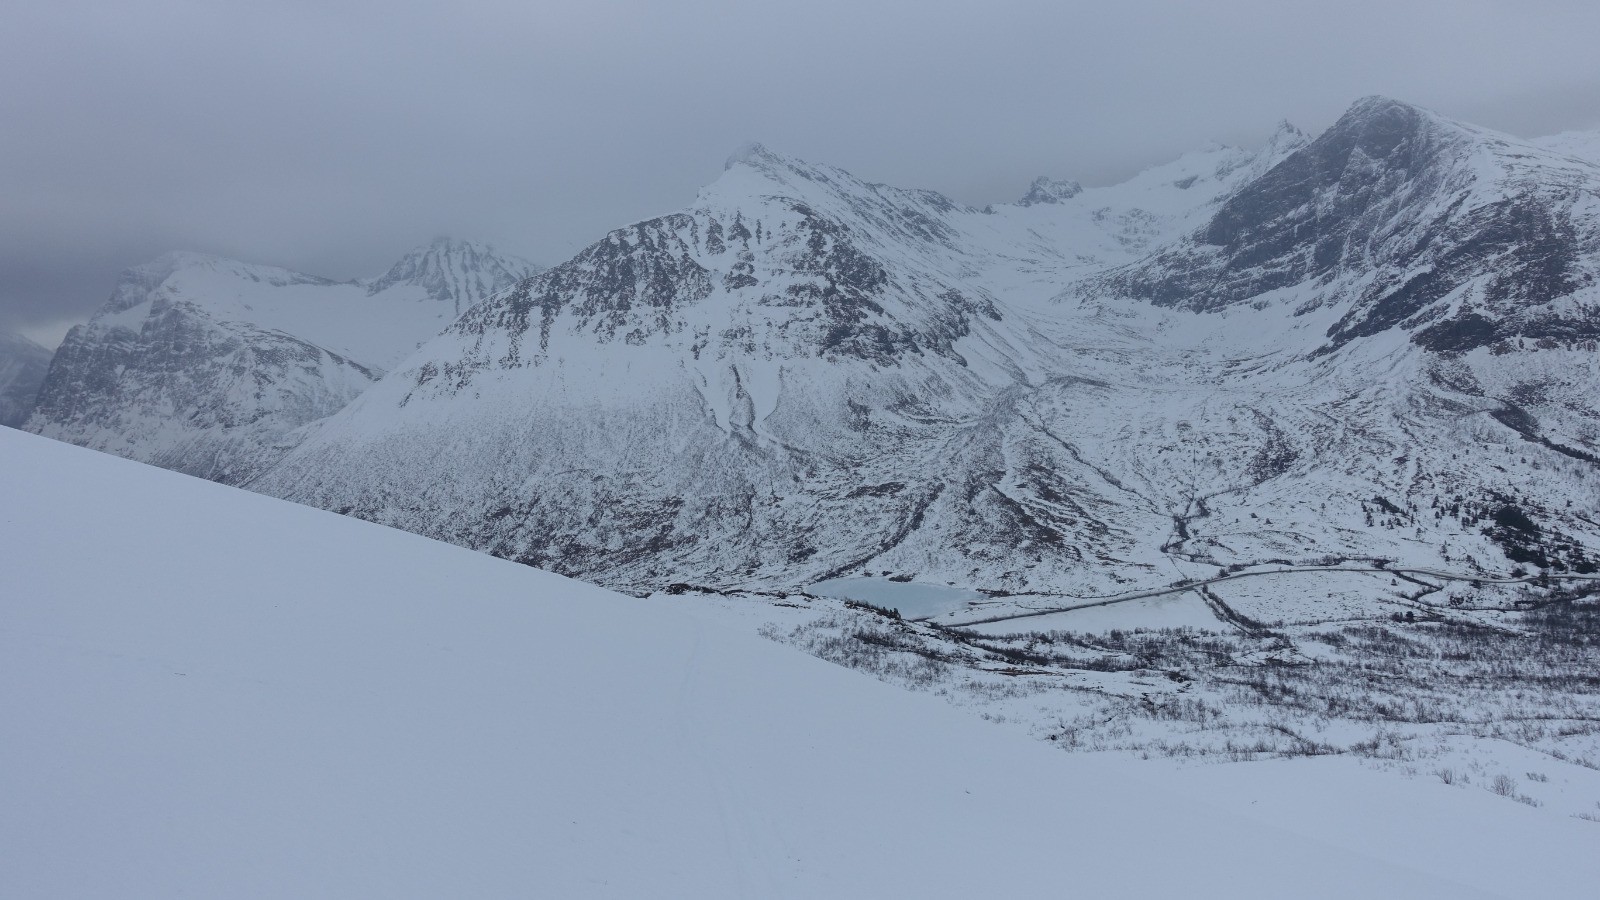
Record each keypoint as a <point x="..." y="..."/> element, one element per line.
<point x="913" y="599"/>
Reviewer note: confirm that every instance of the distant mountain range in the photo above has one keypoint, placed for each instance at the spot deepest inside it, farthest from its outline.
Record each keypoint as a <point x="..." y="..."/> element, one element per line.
<point x="210" y="366"/>
<point x="1379" y="343"/>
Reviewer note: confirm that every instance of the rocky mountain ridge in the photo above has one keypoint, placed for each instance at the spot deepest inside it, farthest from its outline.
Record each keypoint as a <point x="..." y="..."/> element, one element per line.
<point x="1372" y="345"/>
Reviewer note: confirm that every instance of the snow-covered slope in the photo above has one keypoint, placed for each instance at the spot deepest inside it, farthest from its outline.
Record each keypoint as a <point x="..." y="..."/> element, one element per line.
<point x="242" y="697"/>
<point x="23" y="364"/>
<point x="209" y="365"/>
<point x="1581" y="144"/>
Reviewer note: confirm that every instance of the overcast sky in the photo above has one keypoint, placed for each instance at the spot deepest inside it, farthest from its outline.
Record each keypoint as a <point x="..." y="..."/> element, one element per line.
<point x="331" y="136"/>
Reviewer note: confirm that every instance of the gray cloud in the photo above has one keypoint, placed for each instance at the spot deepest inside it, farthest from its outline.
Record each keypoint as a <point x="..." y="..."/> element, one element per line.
<point x="332" y="136"/>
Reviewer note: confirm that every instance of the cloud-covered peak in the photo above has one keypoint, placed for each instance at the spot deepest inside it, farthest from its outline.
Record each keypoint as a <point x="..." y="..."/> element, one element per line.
<point x="454" y="271"/>
<point x="1050" y="190"/>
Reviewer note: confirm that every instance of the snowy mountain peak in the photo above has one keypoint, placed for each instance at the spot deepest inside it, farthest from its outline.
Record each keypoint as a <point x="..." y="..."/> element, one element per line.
<point x="461" y="273"/>
<point x="1397" y="217"/>
<point x="753" y="153"/>
<point x="755" y="171"/>
<point x="760" y="158"/>
<point x="1050" y="190"/>
<point x="1379" y="104"/>
<point x="1378" y="125"/>
<point x="1287" y="128"/>
<point x="1286" y="138"/>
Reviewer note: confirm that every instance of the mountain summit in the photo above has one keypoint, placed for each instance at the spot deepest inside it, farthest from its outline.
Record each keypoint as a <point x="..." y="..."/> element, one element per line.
<point x="1400" y="218"/>
<point x="460" y="273"/>
<point x="1050" y="190"/>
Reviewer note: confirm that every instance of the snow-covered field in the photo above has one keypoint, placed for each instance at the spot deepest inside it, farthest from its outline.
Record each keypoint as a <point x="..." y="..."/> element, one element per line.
<point x="212" y="693"/>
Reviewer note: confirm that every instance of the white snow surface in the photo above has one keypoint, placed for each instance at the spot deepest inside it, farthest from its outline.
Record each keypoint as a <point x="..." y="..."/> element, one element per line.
<point x="1583" y="145"/>
<point x="231" y="695"/>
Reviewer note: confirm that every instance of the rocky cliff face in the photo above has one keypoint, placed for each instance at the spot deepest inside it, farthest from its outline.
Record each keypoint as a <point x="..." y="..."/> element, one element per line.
<point x="1459" y="236"/>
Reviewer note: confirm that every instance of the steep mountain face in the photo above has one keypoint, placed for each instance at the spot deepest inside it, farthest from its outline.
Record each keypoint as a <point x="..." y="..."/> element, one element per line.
<point x="23" y="364"/>
<point x="1461" y="236"/>
<point x="209" y="365"/>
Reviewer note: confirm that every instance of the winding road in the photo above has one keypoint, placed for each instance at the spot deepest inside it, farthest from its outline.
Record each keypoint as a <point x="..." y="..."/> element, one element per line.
<point x="1285" y="570"/>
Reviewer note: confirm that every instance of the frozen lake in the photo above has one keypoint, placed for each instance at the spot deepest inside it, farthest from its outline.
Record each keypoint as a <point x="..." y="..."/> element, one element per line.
<point x="912" y="599"/>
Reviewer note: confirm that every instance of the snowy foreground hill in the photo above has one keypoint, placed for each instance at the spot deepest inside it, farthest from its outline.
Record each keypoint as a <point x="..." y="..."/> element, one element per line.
<point x="213" y="693"/>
